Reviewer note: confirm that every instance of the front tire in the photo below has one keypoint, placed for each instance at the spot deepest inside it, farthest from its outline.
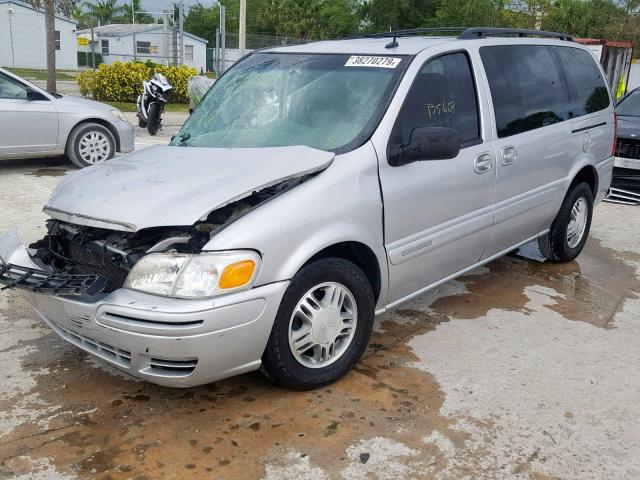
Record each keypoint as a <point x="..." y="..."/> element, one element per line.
<point x="90" y="143"/>
<point x="322" y="327"/>
<point x="154" y="117"/>
<point x="570" y="229"/>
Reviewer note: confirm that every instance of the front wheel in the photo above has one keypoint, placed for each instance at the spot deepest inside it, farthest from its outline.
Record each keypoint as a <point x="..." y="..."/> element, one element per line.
<point x="154" y="118"/>
<point x="322" y="327"/>
<point x="90" y="143"/>
<point x="570" y="229"/>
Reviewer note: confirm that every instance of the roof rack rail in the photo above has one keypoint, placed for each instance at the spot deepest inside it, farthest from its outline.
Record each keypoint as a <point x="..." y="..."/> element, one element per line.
<point x="465" y="33"/>
<point x="484" y="32"/>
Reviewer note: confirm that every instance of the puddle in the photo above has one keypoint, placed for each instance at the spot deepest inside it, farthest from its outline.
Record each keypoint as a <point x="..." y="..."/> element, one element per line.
<point x="49" y="172"/>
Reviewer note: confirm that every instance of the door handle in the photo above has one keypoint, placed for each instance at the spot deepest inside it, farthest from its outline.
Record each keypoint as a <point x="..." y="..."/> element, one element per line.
<point x="482" y="163"/>
<point x="509" y="155"/>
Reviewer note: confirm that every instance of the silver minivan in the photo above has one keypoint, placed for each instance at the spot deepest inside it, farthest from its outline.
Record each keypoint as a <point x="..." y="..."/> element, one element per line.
<point x="316" y="186"/>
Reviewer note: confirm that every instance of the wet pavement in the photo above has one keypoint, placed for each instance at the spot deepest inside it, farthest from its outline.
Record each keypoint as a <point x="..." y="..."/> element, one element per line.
<point x="518" y="370"/>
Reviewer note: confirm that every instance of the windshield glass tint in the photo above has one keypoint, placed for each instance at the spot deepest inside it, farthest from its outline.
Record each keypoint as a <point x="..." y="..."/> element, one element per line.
<point x="630" y="105"/>
<point x="329" y="102"/>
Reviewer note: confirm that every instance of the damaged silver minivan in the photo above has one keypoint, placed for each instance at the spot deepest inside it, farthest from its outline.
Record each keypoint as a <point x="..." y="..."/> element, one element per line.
<point x="314" y="187"/>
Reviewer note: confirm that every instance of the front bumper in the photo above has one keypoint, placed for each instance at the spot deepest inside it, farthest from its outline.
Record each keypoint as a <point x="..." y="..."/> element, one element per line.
<point x="170" y="342"/>
<point x="167" y="341"/>
<point x="127" y="136"/>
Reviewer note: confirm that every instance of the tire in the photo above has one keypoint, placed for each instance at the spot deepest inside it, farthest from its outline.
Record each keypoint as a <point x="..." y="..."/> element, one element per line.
<point x="558" y="245"/>
<point x="153" y="119"/>
<point x="90" y="143"/>
<point x="290" y="370"/>
<point x="142" y="122"/>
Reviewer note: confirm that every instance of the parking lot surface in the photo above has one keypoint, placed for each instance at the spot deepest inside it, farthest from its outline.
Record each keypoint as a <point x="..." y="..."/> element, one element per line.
<point x="518" y="370"/>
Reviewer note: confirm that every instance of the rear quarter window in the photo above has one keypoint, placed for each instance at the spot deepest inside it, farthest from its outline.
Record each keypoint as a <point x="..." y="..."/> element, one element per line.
<point x="589" y="89"/>
<point x="528" y="87"/>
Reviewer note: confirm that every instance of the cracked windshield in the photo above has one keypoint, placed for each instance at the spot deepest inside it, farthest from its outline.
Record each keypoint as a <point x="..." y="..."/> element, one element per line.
<point x="328" y="102"/>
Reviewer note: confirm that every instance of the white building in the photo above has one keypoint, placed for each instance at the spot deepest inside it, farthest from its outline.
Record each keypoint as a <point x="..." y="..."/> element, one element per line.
<point x="156" y="42"/>
<point x="22" y="38"/>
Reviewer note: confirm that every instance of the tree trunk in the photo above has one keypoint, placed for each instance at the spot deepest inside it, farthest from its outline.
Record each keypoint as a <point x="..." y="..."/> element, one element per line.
<point x="50" y="36"/>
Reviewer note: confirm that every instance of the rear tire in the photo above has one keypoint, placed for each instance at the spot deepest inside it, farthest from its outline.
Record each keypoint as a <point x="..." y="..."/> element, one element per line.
<point x="570" y="229"/>
<point x="142" y="123"/>
<point x="153" y="119"/>
<point x="90" y="143"/>
<point x="332" y="300"/>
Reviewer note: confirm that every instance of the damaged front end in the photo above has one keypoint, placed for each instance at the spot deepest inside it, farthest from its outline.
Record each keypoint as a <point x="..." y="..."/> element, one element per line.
<point x="73" y="259"/>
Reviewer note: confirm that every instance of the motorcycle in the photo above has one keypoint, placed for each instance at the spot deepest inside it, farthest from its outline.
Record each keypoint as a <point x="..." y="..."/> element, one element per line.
<point x="151" y="103"/>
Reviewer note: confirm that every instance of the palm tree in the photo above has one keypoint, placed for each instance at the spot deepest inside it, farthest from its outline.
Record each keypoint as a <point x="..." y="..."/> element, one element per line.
<point x="134" y="6"/>
<point x="103" y="12"/>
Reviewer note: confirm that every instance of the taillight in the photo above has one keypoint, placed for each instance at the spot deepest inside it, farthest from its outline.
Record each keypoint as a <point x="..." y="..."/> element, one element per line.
<point x="615" y="133"/>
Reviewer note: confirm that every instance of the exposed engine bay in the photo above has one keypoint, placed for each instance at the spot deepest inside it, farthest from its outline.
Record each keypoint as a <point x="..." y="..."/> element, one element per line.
<point x="109" y="255"/>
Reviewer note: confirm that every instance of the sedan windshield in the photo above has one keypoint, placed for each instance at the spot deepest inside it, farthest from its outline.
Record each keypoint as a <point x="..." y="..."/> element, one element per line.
<point x="630" y="105"/>
<point x="328" y="102"/>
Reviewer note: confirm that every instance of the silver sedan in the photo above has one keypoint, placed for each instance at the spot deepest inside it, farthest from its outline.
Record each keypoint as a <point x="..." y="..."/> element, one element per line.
<point x="35" y="123"/>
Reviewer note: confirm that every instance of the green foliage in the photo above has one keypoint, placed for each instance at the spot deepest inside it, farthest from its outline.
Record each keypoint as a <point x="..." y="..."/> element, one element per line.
<point x="85" y="60"/>
<point x="122" y="82"/>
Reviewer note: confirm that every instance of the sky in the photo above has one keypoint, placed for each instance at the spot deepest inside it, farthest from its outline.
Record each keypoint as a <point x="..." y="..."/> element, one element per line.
<point x="160" y="5"/>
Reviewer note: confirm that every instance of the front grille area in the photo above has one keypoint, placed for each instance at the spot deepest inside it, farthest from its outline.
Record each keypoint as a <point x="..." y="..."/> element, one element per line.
<point x="109" y="352"/>
<point x="88" y="262"/>
<point x="173" y="368"/>
<point x="627" y="148"/>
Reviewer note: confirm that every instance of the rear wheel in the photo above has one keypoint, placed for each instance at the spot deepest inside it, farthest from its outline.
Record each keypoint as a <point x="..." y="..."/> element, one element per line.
<point x="142" y="123"/>
<point x="322" y="327"/>
<point x="90" y="143"/>
<point x="153" y="119"/>
<point x="570" y="229"/>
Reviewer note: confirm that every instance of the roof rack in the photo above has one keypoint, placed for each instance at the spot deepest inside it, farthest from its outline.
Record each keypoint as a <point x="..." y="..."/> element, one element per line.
<point x="470" y="33"/>
<point x="484" y="32"/>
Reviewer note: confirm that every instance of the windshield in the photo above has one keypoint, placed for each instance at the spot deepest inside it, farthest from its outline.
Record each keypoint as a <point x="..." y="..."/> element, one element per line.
<point x="630" y="105"/>
<point x="328" y="102"/>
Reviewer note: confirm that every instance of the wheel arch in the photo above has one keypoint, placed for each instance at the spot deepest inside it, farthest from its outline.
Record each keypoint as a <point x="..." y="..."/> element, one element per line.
<point x="358" y="253"/>
<point x="589" y="175"/>
<point x="99" y="121"/>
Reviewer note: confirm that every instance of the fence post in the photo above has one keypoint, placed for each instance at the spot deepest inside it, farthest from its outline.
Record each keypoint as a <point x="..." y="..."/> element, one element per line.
<point x="93" y="50"/>
<point x="217" y="52"/>
<point x="181" y="26"/>
<point x="223" y="34"/>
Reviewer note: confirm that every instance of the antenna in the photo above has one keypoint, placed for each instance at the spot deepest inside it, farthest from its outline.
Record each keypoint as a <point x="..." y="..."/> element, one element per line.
<point x="394" y="42"/>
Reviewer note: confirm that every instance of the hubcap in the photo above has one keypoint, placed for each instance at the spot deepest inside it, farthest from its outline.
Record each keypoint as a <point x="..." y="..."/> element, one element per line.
<point x="322" y="325"/>
<point x="577" y="222"/>
<point x="94" y="147"/>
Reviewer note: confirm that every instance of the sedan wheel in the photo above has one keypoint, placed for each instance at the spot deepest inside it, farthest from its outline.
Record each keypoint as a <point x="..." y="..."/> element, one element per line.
<point x="94" y="147"/>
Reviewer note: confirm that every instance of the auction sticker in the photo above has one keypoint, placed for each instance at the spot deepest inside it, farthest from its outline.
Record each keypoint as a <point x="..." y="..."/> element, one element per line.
<point x="378" y="62"/>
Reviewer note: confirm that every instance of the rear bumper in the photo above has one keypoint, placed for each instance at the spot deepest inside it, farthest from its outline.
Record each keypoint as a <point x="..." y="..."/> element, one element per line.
<point x="605" y="175"/>
<point x="630" y="163"/>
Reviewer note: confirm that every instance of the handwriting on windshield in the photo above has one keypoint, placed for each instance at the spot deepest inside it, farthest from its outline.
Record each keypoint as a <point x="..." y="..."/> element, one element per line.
<point x="437" y="109"/>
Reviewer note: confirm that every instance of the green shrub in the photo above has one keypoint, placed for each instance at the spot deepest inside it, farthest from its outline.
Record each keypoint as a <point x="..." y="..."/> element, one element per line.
<point x="118" y="82"/>
<point x="122" y="82"/>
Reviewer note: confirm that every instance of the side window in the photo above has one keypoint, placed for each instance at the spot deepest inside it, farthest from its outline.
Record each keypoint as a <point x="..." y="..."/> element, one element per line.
<point x="104" y="46"/>
<point x="443" y="94"/>
<point x="10" y="88"/>
<point x="589" y="89"/>
<point x="57" y="39"/>
<point x="528" y="87"/>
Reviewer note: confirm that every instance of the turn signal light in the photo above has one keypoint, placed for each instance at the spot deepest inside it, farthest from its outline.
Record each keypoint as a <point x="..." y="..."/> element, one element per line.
<point x="237" y="274"/>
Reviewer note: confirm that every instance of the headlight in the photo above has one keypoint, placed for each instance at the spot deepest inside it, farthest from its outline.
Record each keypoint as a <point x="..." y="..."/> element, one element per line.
<point x="201" y="275"/>
<point x="119" y="115"/>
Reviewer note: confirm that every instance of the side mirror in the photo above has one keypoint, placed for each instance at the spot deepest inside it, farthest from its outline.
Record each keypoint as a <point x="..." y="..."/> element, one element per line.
<point x="426" y="143"/>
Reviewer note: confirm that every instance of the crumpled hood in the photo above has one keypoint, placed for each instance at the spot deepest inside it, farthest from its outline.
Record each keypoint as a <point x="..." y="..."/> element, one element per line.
<point x="174" y="186"/>
<point x="628" y="127"/>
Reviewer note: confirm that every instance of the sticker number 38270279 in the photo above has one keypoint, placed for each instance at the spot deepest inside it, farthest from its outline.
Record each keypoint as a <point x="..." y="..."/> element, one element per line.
<point x="365" y="61"/>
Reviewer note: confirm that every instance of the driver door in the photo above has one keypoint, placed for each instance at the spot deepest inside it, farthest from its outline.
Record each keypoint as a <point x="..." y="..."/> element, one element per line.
<point x="27" y="127"/>
<point x="438" y="213"/>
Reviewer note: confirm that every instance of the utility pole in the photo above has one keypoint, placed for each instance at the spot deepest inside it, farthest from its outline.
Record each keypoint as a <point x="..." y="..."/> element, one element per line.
<point x="242" y="31"/>
<point x="50" y="38"/>
<point x="181" y="23"/>
<point x="223" y="35"/>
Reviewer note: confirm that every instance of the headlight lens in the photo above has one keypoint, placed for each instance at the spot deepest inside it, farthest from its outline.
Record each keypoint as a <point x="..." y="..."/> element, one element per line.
<point x="119" y="115"/>
<point x="201" y="275"/>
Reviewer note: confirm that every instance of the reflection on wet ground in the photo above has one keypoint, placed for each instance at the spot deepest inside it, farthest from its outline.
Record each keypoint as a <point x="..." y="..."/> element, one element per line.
<point x="82" y="418"/>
